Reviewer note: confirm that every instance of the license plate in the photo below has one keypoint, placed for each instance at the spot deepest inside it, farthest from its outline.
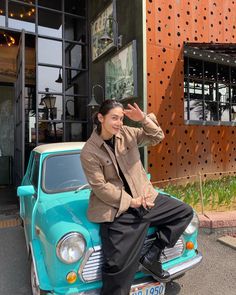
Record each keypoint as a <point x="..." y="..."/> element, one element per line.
<point x="154" y="288"/>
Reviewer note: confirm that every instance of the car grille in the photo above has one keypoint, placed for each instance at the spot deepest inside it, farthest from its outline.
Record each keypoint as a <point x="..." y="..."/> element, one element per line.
<point x="90" y="269"/>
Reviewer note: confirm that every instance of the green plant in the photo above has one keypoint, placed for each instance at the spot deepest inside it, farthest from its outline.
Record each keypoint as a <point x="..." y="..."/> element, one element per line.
<point x="219" y="192"/>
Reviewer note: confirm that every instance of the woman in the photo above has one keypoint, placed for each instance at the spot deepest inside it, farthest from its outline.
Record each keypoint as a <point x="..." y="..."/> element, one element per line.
<point x="123" y="199"/>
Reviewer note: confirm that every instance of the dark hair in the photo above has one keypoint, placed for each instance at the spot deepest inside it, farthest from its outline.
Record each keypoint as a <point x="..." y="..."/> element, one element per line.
<point x="104" y="109"/>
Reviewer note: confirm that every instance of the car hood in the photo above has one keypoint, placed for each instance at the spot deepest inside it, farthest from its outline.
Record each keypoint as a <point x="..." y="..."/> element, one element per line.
<point x="69" y="211"/>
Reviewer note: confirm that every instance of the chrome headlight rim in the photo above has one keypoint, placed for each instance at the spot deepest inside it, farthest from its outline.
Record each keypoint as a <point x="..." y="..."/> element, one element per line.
<point x="193" y="225"/>
<point x="65" y="238"/>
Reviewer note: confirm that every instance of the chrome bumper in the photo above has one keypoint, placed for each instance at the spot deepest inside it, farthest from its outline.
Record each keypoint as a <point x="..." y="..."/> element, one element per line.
<point x="184" y="266"/>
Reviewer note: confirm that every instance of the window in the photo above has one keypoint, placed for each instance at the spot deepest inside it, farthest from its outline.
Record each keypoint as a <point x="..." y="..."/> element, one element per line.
<point x="209" y="90"/>
<point x="63" y="173"/>
<point x="34" y="177"/>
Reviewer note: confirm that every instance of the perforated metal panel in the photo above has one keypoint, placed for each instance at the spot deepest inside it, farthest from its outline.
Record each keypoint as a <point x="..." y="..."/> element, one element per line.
<point x="187" y="149"/>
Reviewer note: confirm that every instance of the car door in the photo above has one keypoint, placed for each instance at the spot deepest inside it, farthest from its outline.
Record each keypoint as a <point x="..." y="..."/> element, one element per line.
<point x="29" y="202"/>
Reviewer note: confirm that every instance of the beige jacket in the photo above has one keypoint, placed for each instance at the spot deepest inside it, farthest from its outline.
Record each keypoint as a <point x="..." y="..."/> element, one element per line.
<point x="108" y="198"/>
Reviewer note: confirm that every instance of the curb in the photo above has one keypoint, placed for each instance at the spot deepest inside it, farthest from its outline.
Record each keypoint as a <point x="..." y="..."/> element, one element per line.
<point x="12" y="222"/>
<point x="219" y="222"/>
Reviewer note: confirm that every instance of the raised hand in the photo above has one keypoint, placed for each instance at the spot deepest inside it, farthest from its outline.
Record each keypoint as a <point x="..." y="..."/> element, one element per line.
<point x="134" y="113"/>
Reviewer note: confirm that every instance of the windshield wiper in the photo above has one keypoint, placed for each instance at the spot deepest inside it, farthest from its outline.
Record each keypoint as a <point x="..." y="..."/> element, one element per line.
<point x="83" y="186"/>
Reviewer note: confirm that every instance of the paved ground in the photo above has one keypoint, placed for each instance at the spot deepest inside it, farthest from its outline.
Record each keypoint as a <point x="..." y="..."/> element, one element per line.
<point x="14" y="269"/>
<point x="215" y="276"/>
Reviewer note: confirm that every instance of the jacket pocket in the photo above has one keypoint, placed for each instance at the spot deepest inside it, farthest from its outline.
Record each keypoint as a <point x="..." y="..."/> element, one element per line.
<point x="109" y="170"/>
<point x="131" y="154"/>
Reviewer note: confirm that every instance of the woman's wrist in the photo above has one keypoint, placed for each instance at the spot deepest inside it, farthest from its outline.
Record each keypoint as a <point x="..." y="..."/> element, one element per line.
<point x="144" y="117"/>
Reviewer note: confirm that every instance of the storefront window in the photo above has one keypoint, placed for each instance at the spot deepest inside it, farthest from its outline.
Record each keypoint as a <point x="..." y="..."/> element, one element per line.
<point x="76" y="82"/>
<point x="50" y="107"/>
<point x="75" y="7"/>
<point x="51" y="4"/>
<point x="2" y="13"/>
<point x="50" y="132"/>
<point x="47" y="77"/>
<point x="75" y="29"/>
<point x="75" y="108"/>
<point x="75" y="56"/>
<point x="209" y="91"/>
<point x="21" y="16"/>
<point x="49" y="51"/>
<point x="49" y="23"/>
<point x="75" y="131"/>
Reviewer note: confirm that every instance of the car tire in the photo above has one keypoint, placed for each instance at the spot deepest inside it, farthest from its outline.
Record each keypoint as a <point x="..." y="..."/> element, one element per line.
<point x="34" y="286"/>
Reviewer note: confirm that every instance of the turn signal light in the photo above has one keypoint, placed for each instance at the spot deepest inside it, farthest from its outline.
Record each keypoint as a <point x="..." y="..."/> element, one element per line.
<point x="71" y="277"/>
<point x="189" y="245"/>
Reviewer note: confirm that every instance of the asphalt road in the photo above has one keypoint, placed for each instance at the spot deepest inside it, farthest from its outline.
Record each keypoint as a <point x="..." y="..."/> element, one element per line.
<point x="215" y="276"/>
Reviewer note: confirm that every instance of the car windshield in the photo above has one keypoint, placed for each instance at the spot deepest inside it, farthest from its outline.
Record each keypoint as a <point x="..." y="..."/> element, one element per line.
<point x="63" y="173"/>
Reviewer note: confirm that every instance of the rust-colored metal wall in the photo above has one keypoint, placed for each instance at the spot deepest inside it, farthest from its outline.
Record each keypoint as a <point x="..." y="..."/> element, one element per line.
<point x="187" y="149"/>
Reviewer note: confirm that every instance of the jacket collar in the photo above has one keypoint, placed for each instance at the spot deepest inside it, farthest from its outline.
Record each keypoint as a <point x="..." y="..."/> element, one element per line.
<point x="95" y="138"/>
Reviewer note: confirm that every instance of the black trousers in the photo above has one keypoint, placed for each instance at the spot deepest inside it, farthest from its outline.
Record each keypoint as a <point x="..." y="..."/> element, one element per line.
<point x="123" y="239"/>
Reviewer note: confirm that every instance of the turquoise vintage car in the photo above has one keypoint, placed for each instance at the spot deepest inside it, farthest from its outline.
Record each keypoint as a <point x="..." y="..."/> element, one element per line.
<point x="64" y="246"/>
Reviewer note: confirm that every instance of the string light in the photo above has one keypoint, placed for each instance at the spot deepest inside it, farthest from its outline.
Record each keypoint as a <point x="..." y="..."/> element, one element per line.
<point x="28" y="13"/>
<point x="6" y="39"/>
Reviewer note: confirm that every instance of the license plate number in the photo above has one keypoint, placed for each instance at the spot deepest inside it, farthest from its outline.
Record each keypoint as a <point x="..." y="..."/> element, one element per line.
<point x="155" y="288"/>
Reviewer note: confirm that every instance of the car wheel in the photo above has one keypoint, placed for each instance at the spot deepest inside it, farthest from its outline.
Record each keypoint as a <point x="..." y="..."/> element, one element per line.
<point x="34" y="286"/>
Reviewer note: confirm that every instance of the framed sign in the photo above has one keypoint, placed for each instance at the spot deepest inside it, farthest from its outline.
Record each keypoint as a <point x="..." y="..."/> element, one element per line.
<point x="121" y="73"/>
<point x="103" y="22"/>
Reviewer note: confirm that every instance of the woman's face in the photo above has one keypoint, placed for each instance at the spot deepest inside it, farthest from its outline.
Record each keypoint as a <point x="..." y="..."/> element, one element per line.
<point x="111" y="122"/>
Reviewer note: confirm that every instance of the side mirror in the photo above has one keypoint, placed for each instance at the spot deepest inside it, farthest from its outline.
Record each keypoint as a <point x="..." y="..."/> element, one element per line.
<point x="25" y="191"/>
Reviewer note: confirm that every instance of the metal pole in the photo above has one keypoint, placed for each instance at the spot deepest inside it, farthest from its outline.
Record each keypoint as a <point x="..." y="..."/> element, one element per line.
<point x="201" y="193"/>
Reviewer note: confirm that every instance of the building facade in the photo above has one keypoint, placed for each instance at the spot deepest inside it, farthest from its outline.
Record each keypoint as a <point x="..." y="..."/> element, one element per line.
<point x="191" y="59"/>
<point x="174" y="58"/>
<point x="51" y="57"/>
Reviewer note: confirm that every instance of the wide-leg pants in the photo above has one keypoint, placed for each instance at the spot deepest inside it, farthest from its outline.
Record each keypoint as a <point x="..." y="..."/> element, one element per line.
<point x="123" y="239"/>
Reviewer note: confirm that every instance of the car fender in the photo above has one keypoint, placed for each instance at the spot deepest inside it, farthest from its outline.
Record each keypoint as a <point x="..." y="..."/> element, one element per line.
<point x="39" y="266"/>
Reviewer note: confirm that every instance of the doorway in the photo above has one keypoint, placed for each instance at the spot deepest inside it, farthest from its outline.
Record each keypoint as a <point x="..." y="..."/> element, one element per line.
<point x="17" y="98"/>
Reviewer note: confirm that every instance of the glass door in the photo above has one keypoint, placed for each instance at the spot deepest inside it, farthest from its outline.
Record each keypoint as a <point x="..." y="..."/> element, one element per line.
<point x="19" y="142"/>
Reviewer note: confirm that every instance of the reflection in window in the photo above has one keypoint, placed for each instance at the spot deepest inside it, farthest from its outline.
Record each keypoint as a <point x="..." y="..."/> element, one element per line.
<point x="50" y="4"/>
<point x="49" y="51"/>
<point x="75" y="29"/>
<point x="233" y="93"/>
<point x="75" y="7"/>
<point x="209" y="91"/>
<point x="63" y="172"/>
<point x="75" y="56"/>
<point x="50" y="23"/>
<point x="75" y="108"/>
<point x="47" y="77"/>
<point x="75" y="131"/>
<point x="34" y="177"/>
<point x="196" y="109"/>
<point x="77" y="81"/>
<point x="2" y="13"/>
<point x="210" y="71"/>
<point x="50" y="132"/>
<point x="50" y="107"/>
<point x="21" y="16"/>
<point x="233" y="112"/>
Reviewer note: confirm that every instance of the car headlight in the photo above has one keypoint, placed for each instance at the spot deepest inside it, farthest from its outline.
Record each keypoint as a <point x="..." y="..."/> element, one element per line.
<point x="71" y="247"/>
<point x="193" y="225"/>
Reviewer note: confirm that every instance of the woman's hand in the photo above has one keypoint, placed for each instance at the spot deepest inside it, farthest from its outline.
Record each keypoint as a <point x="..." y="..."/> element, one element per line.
<point x="142" y="201"/>
<point x="136" y="202"/>
<point x="134" y="113"/>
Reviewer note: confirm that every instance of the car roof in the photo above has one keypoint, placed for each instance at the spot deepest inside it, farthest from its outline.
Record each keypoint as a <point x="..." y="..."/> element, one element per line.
<point x="57" y="147"/>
